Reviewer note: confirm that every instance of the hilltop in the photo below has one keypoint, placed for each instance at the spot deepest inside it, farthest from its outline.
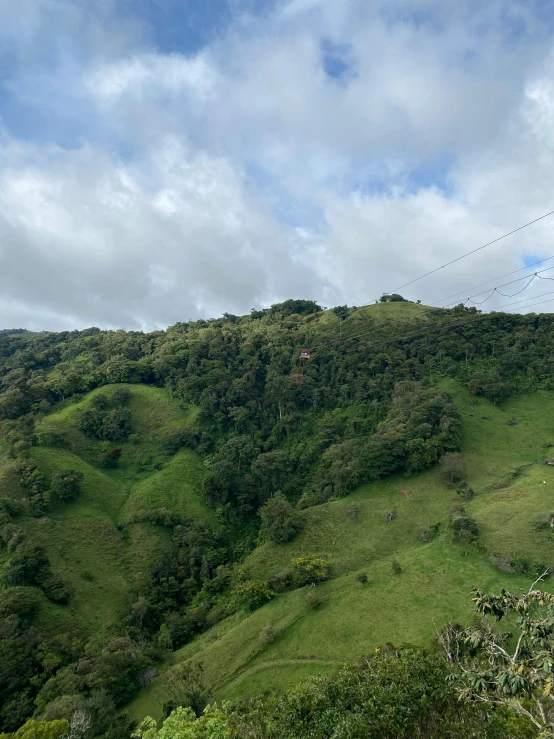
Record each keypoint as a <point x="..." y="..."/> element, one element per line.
<point x="133" y="468"/>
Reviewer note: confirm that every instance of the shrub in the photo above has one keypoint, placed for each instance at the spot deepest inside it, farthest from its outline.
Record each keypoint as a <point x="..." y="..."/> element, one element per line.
<point x="501" y="563"/>
<point x="353" y="510"/>
<point x="389" y="516"/>
<point x="55" y="589"/>
<point x="396" y="568"/>
<point x="267" y="635"/>
<point x="424" y="534"/>
<point x="465" y="528"/>
<point x="464" y="491"/>
<point x="312" y="600"/>
<point x="546" y="521"/>
<point x="121" y="396"/>
<point x="362" y="578"/>
<point x="111" y="458"/>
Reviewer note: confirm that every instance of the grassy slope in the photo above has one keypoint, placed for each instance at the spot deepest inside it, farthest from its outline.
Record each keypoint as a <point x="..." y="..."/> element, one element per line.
<point x="81" y="538"/>
<point x="436" y="579"/>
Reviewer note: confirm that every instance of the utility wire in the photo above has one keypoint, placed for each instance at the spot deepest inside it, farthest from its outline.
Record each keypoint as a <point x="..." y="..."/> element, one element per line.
<point x="505" y="284"/>
<point x="429" y="328"/>
<point x="473" y="251"/>
<point x="333" y="342"/>
<point x="508" y="274"/>
<point x="449" y="324"/>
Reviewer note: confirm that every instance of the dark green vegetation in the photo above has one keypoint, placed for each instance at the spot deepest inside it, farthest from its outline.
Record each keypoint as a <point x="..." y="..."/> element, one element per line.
<point x="173" y="505"/>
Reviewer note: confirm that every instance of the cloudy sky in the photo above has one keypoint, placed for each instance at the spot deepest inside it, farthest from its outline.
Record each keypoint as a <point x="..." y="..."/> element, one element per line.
<point x="162" y="160"/>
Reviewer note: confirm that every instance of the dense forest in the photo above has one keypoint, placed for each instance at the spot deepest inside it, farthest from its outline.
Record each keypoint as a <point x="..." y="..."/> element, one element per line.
<point x="276" y="435"/>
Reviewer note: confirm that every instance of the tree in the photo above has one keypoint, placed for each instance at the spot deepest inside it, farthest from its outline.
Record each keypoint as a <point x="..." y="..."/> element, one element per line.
<point x="183" y="724"/>
<point x="121" y="396"/>
<point x="252" y="594"/>
<point x="271" y="470"/>
<point x="452" y="467"/>
<point x="508" y="668"/>
<point x="41" y="730"/>
<point x="66" y="484"/>
<point x="280" y="522"/>
<point x="187" y="688"/>
<point x="309" y="570"/>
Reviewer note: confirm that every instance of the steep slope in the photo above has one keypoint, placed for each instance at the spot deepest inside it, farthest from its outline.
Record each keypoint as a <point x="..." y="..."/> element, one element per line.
<point x="436" y="579"/>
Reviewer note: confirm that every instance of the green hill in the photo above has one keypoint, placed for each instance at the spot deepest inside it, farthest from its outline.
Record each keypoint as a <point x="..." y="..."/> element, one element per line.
<point x="178" y="439"/>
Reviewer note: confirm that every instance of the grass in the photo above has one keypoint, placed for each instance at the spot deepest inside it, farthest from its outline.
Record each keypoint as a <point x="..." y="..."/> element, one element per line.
<point x="84" y="539"/>
<point x="176" y="486"/>
<point x="436" y="579"/>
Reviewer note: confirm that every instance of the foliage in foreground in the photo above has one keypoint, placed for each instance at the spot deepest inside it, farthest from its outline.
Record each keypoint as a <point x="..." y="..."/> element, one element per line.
<point x="394" y="694"/>
<point x="508" y="668"/>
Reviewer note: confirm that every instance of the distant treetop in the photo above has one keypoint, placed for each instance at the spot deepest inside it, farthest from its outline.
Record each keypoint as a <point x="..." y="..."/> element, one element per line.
<point x="394" y="298"/>
<point x="6" y="331"/>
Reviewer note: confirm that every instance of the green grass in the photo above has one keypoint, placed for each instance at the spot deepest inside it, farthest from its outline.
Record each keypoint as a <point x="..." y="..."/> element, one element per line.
<point x="176" y="487"/>
<point x="82" y="539"/>
<point x="436" y="579"/>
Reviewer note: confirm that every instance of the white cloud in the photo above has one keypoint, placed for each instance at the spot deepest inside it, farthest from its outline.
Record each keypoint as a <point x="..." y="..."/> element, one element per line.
<point x="243" y="174"/>
<point x="150" y="73"/>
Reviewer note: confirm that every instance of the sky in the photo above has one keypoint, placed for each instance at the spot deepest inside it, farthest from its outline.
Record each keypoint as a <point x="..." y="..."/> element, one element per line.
<point x="167" y="160"/>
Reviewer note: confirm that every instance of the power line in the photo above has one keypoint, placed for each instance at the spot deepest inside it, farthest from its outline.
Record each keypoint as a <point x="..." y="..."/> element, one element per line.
<point x="464" y="292"/>
<point x="473" y="251"/>
<point x="504" y="295"/>
<point x="536" y="274"/>
<point x="449" y="324"/>
<point x="443" y="323"/>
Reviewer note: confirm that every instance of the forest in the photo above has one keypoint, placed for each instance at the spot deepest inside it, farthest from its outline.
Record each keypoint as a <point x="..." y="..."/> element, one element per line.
<point x="276" y="437"/>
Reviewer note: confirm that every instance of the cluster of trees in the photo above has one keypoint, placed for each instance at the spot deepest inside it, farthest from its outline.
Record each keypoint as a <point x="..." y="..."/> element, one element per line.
<point x="108" y="421"/>
<point x="393" y="694"/>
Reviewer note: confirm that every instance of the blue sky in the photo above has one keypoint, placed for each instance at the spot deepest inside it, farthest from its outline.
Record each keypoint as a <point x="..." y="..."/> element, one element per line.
<point x="161" y="160"/>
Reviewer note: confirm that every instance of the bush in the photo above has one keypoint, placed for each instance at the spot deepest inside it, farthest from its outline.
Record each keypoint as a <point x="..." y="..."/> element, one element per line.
<point x="312" y="600"/>
<point x="362" y="578"/>
<point x="353" y="510"/>
<point x="267" y="635"/>
<point x="107" y="425"/>
<point x="465" y="528"/>
<point x="424" y="534"/>
<point x="501" y="563"/>
<point x="389" y="516"/>
<point x="56" y="590"/>
<point x="110" y="459"/>
<point x="121" y="396"/>
<point x="66" y="484"/>
<point x="464" y="491"/>
<point x="396" y="568"/>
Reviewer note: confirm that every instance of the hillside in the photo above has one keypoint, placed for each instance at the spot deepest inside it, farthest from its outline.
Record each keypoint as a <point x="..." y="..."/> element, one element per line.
<point x="133" y="468"/>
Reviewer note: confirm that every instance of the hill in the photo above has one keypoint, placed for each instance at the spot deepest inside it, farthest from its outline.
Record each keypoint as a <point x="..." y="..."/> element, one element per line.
<point x="133" y="468"/>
